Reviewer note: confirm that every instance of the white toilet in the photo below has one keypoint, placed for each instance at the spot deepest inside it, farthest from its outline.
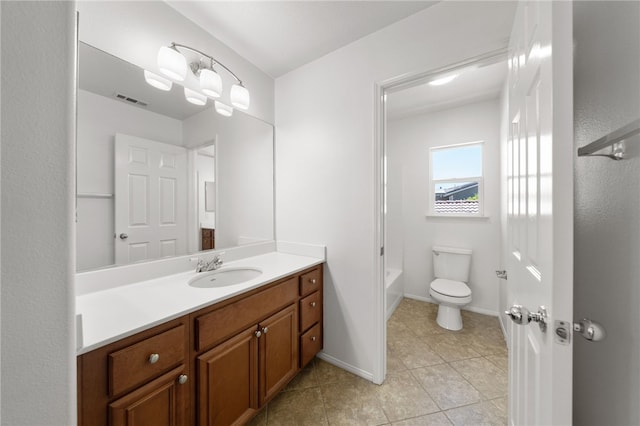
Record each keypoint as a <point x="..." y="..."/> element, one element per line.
<point x="449" y="289"/>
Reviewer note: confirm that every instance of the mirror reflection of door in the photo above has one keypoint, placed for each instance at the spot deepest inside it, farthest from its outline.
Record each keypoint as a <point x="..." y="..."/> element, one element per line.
<point x="205" y="165"/>
<point x="150" y="199"/>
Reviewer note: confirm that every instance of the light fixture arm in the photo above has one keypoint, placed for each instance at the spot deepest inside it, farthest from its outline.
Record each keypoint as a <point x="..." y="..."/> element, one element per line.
<point x="215" y="61"/>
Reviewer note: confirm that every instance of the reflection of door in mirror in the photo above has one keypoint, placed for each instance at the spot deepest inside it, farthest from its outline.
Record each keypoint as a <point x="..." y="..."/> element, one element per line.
<point x="150" y="199"/>
<point x="205" y="162"/>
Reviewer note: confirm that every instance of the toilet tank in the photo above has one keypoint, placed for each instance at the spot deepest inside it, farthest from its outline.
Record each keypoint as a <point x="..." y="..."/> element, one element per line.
<point x="451" y="263"/>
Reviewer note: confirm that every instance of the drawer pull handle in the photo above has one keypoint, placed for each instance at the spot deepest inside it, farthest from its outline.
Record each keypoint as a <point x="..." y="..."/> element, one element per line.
<point x="258" y="333"/>
<point x="313" y="338"/>
<point x="153" y="358"/>
<point x="182" y="379"/>
<point x="312" y="280"/>
<point x="313" y="304"/>
<point x="264" y="330"/>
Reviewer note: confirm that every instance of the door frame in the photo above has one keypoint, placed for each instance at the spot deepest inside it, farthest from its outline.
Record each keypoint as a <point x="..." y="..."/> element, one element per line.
<point x="381" y="89"/>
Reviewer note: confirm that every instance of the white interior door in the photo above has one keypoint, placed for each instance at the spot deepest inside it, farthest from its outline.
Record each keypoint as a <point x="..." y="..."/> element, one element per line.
<point x="540" y="210"/>
<point x="150" y="199"/>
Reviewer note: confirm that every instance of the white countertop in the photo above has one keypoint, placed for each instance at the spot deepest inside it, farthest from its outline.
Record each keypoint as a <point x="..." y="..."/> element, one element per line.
<point x="112" y="314"/>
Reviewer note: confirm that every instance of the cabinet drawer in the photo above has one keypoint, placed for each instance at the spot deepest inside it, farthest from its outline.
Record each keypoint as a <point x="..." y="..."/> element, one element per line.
<point x="310" y="310"/>
<point x="310" y="282"/>
<point x="218" y="325"/>
<point x="310" y="344"/>
<point x="140" y="362"/>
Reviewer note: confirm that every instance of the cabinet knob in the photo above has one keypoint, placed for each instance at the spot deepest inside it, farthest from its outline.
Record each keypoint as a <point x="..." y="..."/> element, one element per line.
<point x="182" y="379"/>
<point x="312" y="280"/>
<point x="264" y="330"/>
<point x="258" y="333"/>
<point x="313" y="304"/>
<point x="313" y="338"/>
<point x="153" y="358"/>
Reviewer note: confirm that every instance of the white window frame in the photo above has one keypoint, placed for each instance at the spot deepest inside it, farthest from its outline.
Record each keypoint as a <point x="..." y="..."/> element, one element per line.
<point x="433" y="182"/>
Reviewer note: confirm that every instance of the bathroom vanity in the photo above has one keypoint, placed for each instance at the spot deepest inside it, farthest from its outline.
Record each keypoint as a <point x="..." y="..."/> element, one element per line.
<point x="216" y="363"/>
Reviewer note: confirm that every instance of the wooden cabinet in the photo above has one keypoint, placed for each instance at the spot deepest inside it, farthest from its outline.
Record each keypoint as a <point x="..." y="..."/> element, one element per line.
<point x="142" y="380"/>
<point x="162" y="402"/>
<point x="217" y="366"/>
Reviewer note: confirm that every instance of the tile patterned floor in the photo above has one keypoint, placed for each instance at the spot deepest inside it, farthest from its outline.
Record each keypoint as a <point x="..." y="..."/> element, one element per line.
<point x="434" y="377"/>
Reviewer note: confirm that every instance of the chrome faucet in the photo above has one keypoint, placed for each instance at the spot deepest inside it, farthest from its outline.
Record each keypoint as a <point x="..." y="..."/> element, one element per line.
<point x="211" y="265"/>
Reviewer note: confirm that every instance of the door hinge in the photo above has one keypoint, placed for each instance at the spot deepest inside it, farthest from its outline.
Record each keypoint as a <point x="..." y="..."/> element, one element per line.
<point x="381" y="251"/>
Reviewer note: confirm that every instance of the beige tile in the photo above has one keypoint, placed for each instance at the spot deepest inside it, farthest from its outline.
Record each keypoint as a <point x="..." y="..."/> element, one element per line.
<point x="446" y="386"/>
<point x="305" y="379"/>
<point x="487" y="344"/>
<point x="452" y="346"/>
<point x="484" y="413"/>
<point x="424" y="326"/>
<point x="484" y="376"/>
<point x="502" y="404"/>
<point x="501" y="361"/>
<point x="401" y="397"/>
<point x="299" y="407"/>
<point x="353" y="402"/>
<point x="329" y="373"/>
<point x="394" y="363"/>
<point x="414" y="352"/>
<point x="435" y="419"/>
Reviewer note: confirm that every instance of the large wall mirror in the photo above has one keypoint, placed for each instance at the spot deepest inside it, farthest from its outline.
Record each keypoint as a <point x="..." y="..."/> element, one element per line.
<point x="160" y="177"/>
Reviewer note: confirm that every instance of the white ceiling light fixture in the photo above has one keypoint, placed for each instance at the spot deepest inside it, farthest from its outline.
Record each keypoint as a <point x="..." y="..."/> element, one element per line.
<point x="194" y="97"/>
<point x="157" y="81"/>
<point x="440" y="81"/>
<point x="173" y="64"/>
<point x="223" y="109"/>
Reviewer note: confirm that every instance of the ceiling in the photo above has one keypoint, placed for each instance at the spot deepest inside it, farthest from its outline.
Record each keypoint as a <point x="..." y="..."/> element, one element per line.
<point x="473" y="84"/>
<point x="280" y="36"/>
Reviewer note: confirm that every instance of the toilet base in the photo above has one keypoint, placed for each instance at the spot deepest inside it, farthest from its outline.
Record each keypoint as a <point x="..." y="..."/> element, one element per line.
<point x="449" y="317"/>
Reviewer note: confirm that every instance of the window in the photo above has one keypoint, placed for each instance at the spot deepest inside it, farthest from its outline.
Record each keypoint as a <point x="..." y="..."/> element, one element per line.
<point x="456" y="180"/>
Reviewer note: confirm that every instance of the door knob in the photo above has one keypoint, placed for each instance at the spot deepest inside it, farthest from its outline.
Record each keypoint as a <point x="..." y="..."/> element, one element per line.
<point x="522" y="316"/>
<point x="123" y="236"/>
<point x="590" y="330"/>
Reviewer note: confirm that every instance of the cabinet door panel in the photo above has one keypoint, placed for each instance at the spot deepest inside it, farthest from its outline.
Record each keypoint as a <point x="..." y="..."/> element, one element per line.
<point x="161" y="402"/>
<point x="278" y="352"/>
<point x="227" y="381"/>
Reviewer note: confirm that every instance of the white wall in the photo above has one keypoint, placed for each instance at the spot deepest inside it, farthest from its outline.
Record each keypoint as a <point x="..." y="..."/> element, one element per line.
<point x="408" y="143"/>
<point x="38" y="383"/>
<point x="607" y="230"/>
<point x="325" y="153"/>
<point x="135" y="30"/>
<point x="99" y="119"/>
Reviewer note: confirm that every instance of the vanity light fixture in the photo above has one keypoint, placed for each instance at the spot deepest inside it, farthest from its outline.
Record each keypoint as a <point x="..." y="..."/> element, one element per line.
<point x="157" y="81"/>
<point x="173" y="64"/>
<point x="223" y="109"/>
<point x="194" y="97"/>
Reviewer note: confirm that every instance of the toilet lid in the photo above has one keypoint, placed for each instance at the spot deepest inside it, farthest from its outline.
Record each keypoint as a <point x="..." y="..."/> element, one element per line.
<point x="451" y="288"/>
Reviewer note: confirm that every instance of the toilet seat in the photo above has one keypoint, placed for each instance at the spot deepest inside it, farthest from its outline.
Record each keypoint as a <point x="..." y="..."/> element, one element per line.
<point x="450" y="288"/>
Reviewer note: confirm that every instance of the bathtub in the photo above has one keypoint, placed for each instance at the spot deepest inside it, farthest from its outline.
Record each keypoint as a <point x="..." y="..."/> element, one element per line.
<point x="395" y="289"/>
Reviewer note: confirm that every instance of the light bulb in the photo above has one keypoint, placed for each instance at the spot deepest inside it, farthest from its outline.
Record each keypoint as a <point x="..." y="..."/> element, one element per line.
<point x="239" y="96"/>
<point x="157" y="81"/>
<point x="223" y="109"/>
<point x="195" y="97"/>
<point x="171" y="63"/>
<point x="210" y="83"/>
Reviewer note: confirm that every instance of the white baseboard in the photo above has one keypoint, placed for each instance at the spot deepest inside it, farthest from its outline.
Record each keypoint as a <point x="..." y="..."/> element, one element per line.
<point x="393" y="307"/>
<point x="466" y="308"/>
<point x="350" y="368"/>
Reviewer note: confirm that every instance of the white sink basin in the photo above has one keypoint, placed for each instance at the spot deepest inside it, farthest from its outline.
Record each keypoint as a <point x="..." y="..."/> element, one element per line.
<point x="224" y="277"/>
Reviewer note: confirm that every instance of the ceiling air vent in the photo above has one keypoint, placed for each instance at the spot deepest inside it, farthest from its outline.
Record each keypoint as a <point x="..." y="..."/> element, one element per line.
<point x="130" y="100"/>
